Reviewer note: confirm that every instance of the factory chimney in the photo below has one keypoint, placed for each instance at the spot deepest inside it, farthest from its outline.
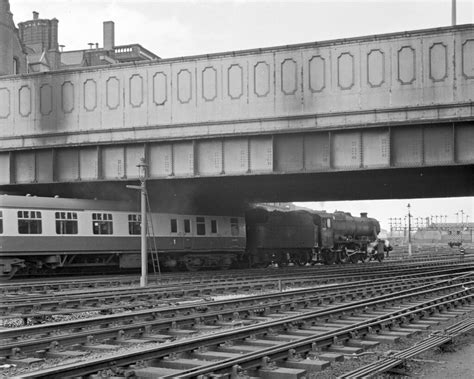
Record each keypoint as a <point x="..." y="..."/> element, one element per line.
<point x="109" y="35"/>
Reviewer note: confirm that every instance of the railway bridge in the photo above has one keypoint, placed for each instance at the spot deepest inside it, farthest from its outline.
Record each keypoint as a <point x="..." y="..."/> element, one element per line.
<point x="380" y="116"/>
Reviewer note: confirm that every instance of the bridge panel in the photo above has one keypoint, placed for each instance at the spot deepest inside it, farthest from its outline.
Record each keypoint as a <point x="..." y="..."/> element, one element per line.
<point x="346" y="150"/>
<point x="288" y="96"/>
<point x="160" y="101"/>
<point x="439" y="145"/>
<point x="25" y="167"/>
<point x="133" y="154"/>
<point x="289" y="153"/>
<point x="317" y="155"/>
<point x="465" y="144"/>
<point x="236" y="156"/>
<point x="209" y="157"/>
<point x="67" y="165"/>
<point x="183" y="159"/>
<point x="4" y="168"/>
<point x="112" y="160"/>
<point x="44" y="165"/>
<point x="398" y="78"/>
<point x="376" y="148"/>
<point x="358" y="149"/>
<point x="113" y="99"/>
<point x="261" y="155"/>
<point x="407" y="146"/>
<point x="89" y="163"/>
<point x="160" y="157"/>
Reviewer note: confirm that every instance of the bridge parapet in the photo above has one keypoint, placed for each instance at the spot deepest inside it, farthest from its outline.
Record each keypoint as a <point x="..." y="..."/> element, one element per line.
<point x="409" y="77"/>
<point x="388" y="101"/>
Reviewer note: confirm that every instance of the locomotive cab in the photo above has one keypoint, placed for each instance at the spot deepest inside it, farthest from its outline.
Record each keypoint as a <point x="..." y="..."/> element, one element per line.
<point x="325" y="237"/>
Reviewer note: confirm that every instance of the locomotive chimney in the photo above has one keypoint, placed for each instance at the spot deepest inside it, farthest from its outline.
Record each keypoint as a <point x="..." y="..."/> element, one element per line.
<point x="363" y="214"/>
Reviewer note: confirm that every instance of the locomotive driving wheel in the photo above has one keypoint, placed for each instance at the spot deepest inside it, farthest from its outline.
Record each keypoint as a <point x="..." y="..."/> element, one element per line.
<point x="354" y="258"/>
<point x="192" y="267"/>
<point x="329" y="258"/>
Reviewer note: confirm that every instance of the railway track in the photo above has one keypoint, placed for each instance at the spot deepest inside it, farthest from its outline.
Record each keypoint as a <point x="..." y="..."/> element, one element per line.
<point x="92" y="282"/>
<point x="279" y="336"/>
<point x="398" y="358"/>
<point x="36" y="307"/>
<point x="76" y="283"/>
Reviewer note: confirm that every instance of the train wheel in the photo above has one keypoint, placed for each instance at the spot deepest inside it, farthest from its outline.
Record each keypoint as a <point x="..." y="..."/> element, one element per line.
<point x="329" y="258"/>
<point x="191" y="267"/>
<point x="354" y="258"/>
<point x="342" y="257"/>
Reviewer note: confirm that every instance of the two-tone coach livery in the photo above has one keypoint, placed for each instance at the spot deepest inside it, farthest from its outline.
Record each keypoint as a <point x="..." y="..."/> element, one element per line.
<point x="39" y="234"/>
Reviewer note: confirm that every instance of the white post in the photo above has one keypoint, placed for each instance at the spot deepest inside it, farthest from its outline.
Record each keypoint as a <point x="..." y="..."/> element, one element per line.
<point x="409" y="231"/>
<point x="142" y="175"/>
<point x="144" y="255"/>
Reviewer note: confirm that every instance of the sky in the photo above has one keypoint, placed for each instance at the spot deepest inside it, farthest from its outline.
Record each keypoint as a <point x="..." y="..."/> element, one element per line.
<point x="180" y="28"/>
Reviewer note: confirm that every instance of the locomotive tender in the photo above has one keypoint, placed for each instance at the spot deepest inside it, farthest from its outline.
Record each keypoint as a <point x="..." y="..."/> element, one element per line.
<point x="39" y="234"/>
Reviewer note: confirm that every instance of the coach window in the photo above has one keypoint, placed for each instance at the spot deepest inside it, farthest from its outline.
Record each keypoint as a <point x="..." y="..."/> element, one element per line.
<point x="66" y="222"/>
<point x="234" y="226"/>
<point x="29" y="222"/>
<point x="134" y="221"/>
<point x="328" y="223"/>
<point x="187" y="226"/>
<point x="102" y="223"/>
<point x="214" y="226"/>
<point x="200" y="226"/>
<point x="174" y="225"/>
<point x="1" y="222"/>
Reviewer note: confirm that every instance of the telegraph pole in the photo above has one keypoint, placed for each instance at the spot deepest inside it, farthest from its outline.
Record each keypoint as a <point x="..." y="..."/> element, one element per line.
<point x="142" y="176"/>
<point x="409" y="231"/>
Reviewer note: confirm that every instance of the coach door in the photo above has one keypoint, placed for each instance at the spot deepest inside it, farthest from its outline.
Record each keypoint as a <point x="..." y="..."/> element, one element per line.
<point x="326" y="232"/>
<point x="187" y="234"/>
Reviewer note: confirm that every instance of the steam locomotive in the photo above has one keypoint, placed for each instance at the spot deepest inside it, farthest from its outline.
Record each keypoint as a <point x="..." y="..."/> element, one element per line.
<point x="39" y="235"/>
<point x="299" y="237"/>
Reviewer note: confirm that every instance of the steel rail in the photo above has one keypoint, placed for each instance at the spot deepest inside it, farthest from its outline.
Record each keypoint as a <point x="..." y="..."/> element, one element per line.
<point x="295" y="278"/>
<point x="397" y="358"/>
<point x="82" y="368"/>
<point x="74" y="283"/>
<point x="137" y="322"/>
<point x="252" y="360"/>
<point x="105" y="300"/>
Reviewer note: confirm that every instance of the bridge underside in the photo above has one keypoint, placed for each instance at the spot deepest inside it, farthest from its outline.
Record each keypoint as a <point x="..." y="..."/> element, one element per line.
<point x="221" y="194"/>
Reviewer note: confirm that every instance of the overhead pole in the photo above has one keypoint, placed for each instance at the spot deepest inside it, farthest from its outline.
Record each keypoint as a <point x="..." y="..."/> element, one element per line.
<point x="142" y="176"/>
<point x="409" y="231"/>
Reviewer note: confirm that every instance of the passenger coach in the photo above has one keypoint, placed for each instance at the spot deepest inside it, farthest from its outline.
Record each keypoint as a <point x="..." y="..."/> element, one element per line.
<point x="38" y="234"/>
